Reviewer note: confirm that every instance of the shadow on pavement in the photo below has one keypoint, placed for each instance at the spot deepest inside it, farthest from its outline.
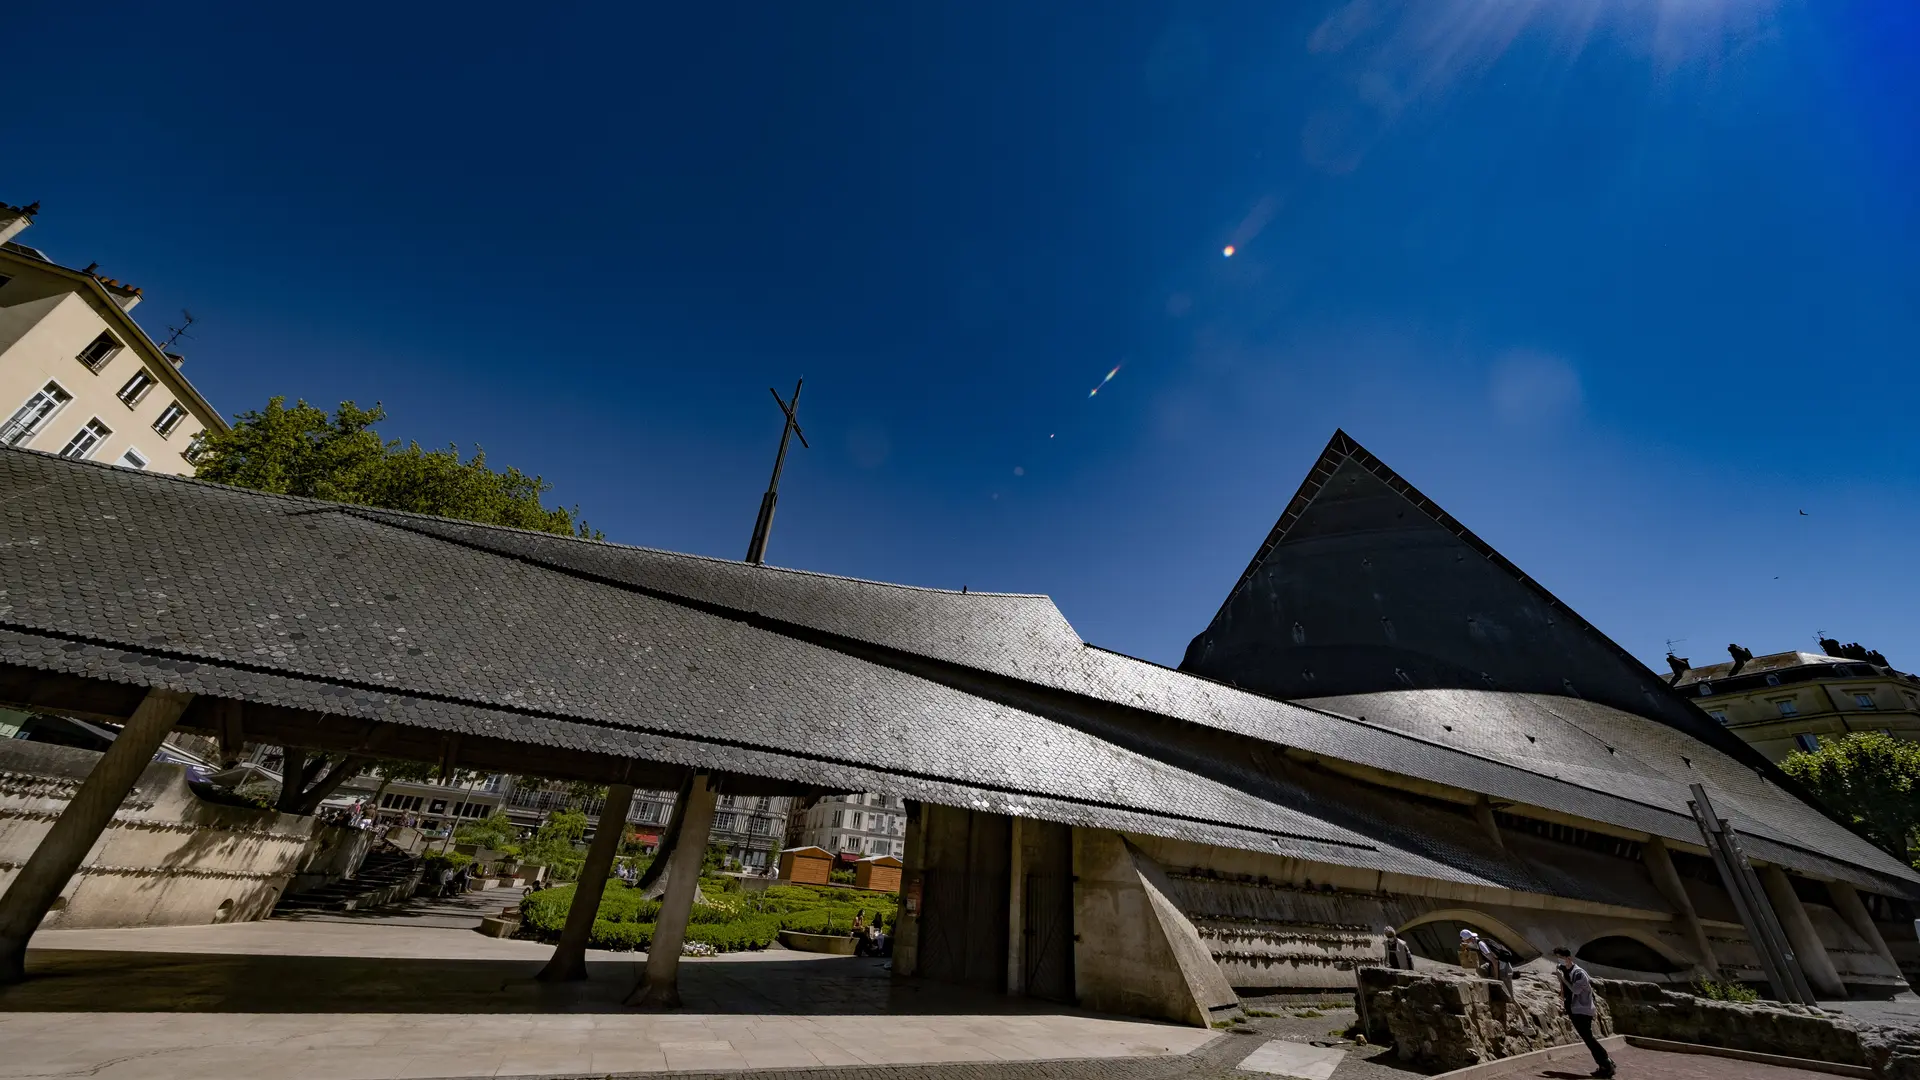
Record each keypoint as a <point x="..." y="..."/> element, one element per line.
<point x="74" y="980"/>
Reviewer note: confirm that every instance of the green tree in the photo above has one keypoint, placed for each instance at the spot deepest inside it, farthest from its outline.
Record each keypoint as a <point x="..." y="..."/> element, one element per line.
<point x="495" y="832"/>
<point x="1870" y="779"/>
<point x="556" y="845"/>
<point x="304" y="451"/>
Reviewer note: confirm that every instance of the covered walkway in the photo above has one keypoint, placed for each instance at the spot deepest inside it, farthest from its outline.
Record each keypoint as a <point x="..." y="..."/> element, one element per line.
<point x="415" y="993"/>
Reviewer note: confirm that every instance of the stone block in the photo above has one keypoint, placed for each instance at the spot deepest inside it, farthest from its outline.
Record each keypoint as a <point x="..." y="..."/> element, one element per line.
<point x="1439" y="1021"/>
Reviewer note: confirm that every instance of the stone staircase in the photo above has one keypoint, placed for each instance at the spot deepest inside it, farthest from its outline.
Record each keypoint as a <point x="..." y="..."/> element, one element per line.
<point x="388" y="876"/>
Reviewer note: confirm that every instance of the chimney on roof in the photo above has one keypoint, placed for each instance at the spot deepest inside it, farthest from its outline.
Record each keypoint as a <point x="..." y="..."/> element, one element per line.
<point x="1680" y="665"/>
<point x="15" y="219"/>
<point x="1741" y="658"/>
<point x="176" y="359"/>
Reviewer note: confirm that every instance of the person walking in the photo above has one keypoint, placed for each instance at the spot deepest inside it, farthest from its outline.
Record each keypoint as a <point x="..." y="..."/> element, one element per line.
<point x="1576" y="994"/>
<point x="1492" y="959"/>
<point x="1398" y="955"/>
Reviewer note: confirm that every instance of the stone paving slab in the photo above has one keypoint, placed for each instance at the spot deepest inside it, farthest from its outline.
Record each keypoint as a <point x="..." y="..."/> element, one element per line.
<point x="1298" y="1060"/>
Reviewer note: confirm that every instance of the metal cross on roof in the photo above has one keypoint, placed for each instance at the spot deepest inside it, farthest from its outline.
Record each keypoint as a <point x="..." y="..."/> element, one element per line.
<point x="757" y="547"/>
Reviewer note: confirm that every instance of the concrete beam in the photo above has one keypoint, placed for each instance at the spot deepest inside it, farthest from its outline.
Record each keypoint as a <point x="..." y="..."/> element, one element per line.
<point x="1807" y="947"/>
<point x="569" y="960"/>
<point x="1667" y="880"/>
<point x="660" y="986"/>
<point x="65" y="847"/>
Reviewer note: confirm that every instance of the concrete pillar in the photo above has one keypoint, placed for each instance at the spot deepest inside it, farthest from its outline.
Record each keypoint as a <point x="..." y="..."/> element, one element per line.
<point x="1846" y="900"/>
<point x="1821" y="974"/>
<point x="66" y="844"/>
<point x="660" y="987"/>
<point x="1483" y="813"/>
<point x="1667" y="880"/>
<point x="569" y="960"/>
<point x="906" y="927"/>
<point x="1016" y="913"/>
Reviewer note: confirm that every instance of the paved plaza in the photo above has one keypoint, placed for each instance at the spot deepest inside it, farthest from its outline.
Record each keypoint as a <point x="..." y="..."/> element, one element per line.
<point x="416" y="994"/>
<point x="419" y="994"/>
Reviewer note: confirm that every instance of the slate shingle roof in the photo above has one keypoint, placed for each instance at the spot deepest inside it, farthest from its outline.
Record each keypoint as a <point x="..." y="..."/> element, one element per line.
<point x="555" y="641"/>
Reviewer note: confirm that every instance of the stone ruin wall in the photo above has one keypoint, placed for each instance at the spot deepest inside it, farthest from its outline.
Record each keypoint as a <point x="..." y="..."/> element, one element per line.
<point x="169" y="858"/>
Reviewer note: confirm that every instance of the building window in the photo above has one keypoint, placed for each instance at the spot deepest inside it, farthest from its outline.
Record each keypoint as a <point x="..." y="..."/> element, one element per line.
<point x="1865" y="701"/>
<point x="136" y="387"/>
<point x="1787" y="707"/>
<point x="87" y="439"/>
<point x="723" y="822"/>
<point x="1806" y="742"/>
<point x="1718" y="714"/>
<point x="99" y="351"/>
<point x="839" y="818"/>
<point x="760" y="826"/>
<point x="1773" y="680"/>
<point x="1705" y="689"/>
<point x="196" y="448"/>
<point x="31" y="417"/>
<point x="133" y="459"/>
<point x="170" y="418"/>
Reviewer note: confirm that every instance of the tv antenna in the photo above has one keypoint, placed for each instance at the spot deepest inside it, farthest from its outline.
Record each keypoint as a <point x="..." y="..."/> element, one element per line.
<point x="175" y="333"/>
<point x="1672" y="641"/>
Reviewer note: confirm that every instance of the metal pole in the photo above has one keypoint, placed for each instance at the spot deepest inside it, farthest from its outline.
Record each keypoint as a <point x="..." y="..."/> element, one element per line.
<point x="1756" y="911"/>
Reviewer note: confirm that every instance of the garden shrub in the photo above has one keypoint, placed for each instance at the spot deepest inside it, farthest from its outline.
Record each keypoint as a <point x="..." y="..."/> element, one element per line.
<point x="729" y="921"/>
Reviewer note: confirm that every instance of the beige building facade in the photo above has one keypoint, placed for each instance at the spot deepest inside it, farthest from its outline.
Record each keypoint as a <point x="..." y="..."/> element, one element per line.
<point x="1789" y="701"/>
<point x="78" y="376"/>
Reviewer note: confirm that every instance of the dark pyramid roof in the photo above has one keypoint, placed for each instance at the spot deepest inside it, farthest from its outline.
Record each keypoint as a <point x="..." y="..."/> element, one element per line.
<point x="1365" y="585"/>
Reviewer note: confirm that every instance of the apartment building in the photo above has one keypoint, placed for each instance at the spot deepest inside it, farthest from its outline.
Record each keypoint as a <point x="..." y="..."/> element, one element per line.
<point x="78" y="376"/>
<point x="1790" y="701"/>
<point x="856" y="825"/>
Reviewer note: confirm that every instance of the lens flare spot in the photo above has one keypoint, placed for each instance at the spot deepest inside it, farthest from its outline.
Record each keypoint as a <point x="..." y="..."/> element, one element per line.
<point x="1227" y="251"/>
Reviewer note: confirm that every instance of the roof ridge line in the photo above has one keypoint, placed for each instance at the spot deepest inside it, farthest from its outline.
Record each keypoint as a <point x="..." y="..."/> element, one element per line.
<point x="309" y="500"/>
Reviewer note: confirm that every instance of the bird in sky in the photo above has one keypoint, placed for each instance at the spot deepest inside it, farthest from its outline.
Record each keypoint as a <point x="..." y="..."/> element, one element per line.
<point x="1803" y="513"/>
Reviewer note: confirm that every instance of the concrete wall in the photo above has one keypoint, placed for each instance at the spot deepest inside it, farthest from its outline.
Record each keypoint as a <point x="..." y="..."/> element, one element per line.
<point x="1137" y="954"/>
<point x="169" y="858"/>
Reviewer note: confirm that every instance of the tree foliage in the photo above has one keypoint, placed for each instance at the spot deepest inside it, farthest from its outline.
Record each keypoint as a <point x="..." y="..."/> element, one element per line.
<point x="1872" y="780"/>
<point x="303" y="451"/>
<point x="556" y="845"/>
<point x="496" y="833"/>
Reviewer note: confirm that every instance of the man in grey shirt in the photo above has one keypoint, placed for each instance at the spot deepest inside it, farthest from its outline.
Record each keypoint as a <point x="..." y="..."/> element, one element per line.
<point x="1398" y="955"/>
<point x="1576" y="993"/>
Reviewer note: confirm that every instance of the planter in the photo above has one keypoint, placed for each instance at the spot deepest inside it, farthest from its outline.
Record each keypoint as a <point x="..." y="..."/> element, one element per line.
<point x="836" y="944"/>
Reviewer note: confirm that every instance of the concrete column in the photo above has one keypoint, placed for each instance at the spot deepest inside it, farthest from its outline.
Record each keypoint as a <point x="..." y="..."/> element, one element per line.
<point x="1821" y="974"/>
<point x="1846" y="900"/>
<point x="65" y="847"/>
<point x="1667" y="880"/>
<point x="1016" y="913"/>
<point x="569" y="960"/>
<point x="660" y="987"/>
<point x="906" y="929"/>
<point x="1483" y="813"/>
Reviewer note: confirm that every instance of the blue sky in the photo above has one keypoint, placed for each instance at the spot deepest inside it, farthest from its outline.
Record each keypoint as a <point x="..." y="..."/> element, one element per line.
<point x="1625" y="286"/>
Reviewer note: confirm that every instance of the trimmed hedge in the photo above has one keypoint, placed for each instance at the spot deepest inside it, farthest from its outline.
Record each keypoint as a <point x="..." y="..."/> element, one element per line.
<point x="730" y="921"/>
